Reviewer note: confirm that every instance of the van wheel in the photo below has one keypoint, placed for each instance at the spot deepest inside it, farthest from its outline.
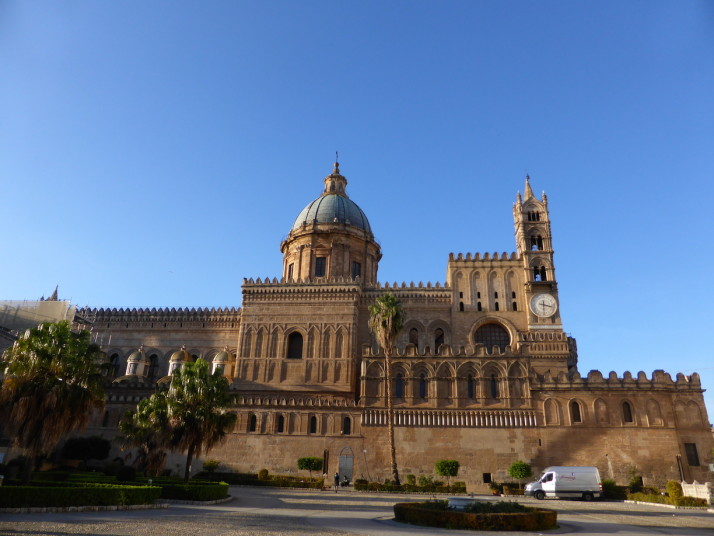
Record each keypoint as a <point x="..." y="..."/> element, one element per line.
<point x="539" y="495"/>
<point x="588" y="496"/>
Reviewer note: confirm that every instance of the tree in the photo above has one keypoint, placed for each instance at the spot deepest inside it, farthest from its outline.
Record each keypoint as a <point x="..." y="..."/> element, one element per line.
<point x="310" y="463"/>
<point x="147" y="429"/>
<point x="198" y="417"/>
<point x="52" y="385"/>
<point x="86" y="448"/>
<point x="447" y="468"/>
<point x="520" y="470"/>
<point x="386" y="320"/>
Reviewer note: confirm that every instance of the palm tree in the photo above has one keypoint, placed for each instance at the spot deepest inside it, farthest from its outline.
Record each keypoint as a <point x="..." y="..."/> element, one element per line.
<point x="147" y="429"/>
<point x="386" y="320"/>
<point x="52" y="385"/>
<point x="197" y="412"/>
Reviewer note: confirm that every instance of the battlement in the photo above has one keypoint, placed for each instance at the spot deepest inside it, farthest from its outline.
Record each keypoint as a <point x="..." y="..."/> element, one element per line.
<point x="469" y="257"/>
<point x="445" y="350"/>
<point x="595" y="380"/>
<point x="187" y="314"/>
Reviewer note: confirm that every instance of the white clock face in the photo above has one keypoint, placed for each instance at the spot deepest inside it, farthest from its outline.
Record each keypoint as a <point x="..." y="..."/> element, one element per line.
<point x="544" y="305"/>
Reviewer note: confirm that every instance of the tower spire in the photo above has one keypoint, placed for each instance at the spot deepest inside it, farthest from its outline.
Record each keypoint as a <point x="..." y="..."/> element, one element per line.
<point x="528" y="192"/>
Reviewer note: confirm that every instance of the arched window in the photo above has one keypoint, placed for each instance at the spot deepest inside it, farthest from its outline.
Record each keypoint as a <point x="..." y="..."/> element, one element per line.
<point x="461" y="306"/>
<point x="493" y="384"/>
<point x="153" y="366"/>
<point x="114" y="362"/>
<point x="422" y="386"/>
<point x="496" y="306"/>
<point x="438" y="339"/>
<point x="514" y="306"/>
<point x="280" y="428"/>
<point x="313" y="425"/>
<point x="575" y="415"/>
<point x="346" y="426"/>
<point x="543" y="276"/>
<point x="252" y="423"/>
<point x="627" y="412"/>
<point x="491" y="335"/>
<point x="470" y="387"/>
<point x="295" y="345"/>
<point x="399" y="386"/>
<point x="414" y="337"/>
<point x="478" y="306"/>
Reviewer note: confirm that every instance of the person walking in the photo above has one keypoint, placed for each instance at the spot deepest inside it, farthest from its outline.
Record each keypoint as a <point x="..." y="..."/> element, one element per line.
<point x="337" y="481"/>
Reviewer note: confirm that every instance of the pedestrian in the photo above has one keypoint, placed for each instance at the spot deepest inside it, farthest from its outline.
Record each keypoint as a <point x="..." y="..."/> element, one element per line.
<point x="337" y="481"/>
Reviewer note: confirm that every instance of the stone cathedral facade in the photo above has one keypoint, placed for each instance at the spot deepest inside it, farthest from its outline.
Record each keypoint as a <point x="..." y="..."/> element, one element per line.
<point x="484" y="372"/>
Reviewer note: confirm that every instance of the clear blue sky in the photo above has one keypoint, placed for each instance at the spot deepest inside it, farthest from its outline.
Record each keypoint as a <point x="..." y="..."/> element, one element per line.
<point x="155" y="153"/>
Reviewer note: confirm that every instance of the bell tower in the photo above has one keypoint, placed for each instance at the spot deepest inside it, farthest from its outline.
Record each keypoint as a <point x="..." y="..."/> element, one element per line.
<point x="535" y="249"/>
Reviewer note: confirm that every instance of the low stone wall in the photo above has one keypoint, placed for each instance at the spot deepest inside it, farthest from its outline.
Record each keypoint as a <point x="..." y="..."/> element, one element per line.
<point x="700" y="491"/>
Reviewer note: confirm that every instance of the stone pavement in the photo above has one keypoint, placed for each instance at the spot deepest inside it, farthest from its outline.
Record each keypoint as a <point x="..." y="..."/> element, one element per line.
<point x="286" y="512"/>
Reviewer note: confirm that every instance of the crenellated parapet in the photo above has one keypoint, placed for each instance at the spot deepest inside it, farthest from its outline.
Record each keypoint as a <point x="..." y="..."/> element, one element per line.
<point x="595" y="380"/>
<point x="161" y="317"/>
<point x="478" y="257"/>
<point x="445" y="350"/>
<point x="294" y="401"/>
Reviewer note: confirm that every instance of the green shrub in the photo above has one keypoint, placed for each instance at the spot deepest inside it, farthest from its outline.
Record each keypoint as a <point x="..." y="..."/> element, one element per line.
<point x="447" y="468"/>
<point x="512" y="489"/>
<point x="431" y="515"/>
<point x="610" y="490"/>
<point x="194" y="491"/>
<point x="126" y="473"/>
<point x="674" y="489"/>
<point x="211" y="465"/>
<point x="263" y="474"/>
<point x="500" y="507"/>
<point x="459" y="487"/>
<point x="53" y="494"/>
<point x="410" y="479"/>
<point x="310" y="463"/>
<point x="691" y="501"/>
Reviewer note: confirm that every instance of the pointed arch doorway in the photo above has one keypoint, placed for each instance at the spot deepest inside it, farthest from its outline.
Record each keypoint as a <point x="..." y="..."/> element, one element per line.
<point x="346" y="463"/>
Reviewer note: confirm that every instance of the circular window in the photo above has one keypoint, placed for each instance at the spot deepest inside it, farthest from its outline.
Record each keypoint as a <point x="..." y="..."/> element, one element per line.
<point x="491" y="335"/>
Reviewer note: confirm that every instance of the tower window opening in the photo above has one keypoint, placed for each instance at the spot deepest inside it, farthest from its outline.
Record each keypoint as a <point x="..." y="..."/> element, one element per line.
<point x="478" y="306"/>
<point x="478" y="295"/>
<point x="295" y="345"/>
<point x="515" y="306"/>
<point x="495" y="295"/>
<point x="291" y="267"/>
<point x="346" y="426"/>
<point x="356" y="270"/>
<point x="470" y="387"/>
<point x="461" y="294"/>
<point x="320" y="263"/>
<point x="627" y="412"/>
<point x="575" y="412"/>
<point x="513" y="294"/>
<point x="281" y="424"/>
<point x="493" y="383"/>
<point x="313" y="425"/>
<point x="496" y="306"/>
<point x="252" y="423"/>
<point x="461" y="306"/>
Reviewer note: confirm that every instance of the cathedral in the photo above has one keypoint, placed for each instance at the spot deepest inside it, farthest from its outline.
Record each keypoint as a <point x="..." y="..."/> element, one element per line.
<point x="483" y="371"/>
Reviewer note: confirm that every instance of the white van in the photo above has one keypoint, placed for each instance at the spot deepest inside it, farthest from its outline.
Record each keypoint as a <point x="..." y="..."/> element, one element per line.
<point x="571" y="482"/>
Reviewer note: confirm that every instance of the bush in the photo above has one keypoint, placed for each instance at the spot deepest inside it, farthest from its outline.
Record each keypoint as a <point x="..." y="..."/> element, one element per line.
<point x="251" y="479"/>
<point x="263" y="474"/>
<point x="610" y="490"/>
<point x="431" y="515"/>
<point x="211" y="465"/>
<point x="691" y="501"/>
<point x="194" y="491"/>
<point x="500" y="507"/>
<point x="65" y="494"/>
<point x="126" y="473"/>
<point x="447" y="468"/>
<point x="674" y="490"/>
<point x="310" y="463"/>
<point x="410" y="479"/>
<point x="510" y="489"/>
<point x="520" y="470"/>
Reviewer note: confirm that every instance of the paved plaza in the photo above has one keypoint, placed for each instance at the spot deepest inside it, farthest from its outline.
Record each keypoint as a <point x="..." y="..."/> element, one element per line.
<point x="283" y="512"/>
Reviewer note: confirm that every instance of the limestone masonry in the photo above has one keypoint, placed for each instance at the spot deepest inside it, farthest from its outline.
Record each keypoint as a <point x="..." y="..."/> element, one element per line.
<point x="483" y="373"/>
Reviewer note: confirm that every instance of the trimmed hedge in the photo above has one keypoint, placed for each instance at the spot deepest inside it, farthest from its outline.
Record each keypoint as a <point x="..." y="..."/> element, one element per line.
<point x="194" y="491"/>
<point x="251" y="479"/>
<point x="422" y="514"/>
<point x="363" y="485"/>
<point x="658" y="498"/>
<point x="66" y="494"/>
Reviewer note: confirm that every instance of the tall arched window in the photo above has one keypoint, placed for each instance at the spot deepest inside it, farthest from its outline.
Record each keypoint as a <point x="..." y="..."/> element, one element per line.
<point x="399" y="386"/>
<point x="153" y="366"/>
<point x="491" y="335"/>
<point x="346" y="426"/>
<point x="280" y="428"/>
<point x="252" y="423"/>
<point x="295" y="345"/>
<point x="313" y="425"/>
<point x="470" y="387"/>
<point x="114" y="362"/>
<point x="438" y="339"/>
<point x="422" y="386"/>
<point x="575" y="412"/>
<point x="493" y="383"/>
<point x="414" y="337"/>
<point x="627" y="412"/>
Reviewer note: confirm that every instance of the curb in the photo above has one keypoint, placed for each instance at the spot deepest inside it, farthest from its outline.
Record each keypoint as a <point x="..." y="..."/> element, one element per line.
<point x="61" y="509"/>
